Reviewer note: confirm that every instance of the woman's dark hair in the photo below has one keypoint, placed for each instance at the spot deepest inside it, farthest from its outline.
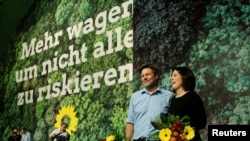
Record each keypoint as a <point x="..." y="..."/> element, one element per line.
<point x="188" y="78"/>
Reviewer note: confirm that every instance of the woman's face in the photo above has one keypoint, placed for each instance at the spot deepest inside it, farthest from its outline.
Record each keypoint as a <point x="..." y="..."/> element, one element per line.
<point x="176" y="80"/>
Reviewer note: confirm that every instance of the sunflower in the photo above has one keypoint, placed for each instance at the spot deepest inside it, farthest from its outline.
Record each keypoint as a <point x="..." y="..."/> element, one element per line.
<point x="188" y="132"/>
<point x="110" y="138"/>
<point x="165" y="134"/>
<point x="67" y="111"/>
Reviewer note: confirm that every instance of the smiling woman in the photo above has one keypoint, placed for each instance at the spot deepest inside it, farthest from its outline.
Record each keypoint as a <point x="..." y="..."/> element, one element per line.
<point x="186" y="101"/>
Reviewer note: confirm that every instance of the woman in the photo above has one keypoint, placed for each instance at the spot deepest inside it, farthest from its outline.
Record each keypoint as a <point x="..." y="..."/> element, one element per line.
<point x="186" y="101"/>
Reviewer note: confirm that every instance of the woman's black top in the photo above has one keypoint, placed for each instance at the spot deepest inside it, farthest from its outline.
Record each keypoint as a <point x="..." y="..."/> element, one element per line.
<point x="191" y="105"/>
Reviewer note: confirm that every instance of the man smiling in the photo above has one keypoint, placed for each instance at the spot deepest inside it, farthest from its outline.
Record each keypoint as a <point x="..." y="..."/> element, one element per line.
<point x="146" y="105"/>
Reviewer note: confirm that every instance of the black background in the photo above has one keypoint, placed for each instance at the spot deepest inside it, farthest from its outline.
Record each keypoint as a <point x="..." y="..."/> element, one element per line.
<point x="11" y="13"/>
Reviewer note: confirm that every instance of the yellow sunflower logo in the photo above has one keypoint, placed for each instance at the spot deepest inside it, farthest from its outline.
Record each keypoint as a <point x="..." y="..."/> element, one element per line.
<point x="69" y="112"/>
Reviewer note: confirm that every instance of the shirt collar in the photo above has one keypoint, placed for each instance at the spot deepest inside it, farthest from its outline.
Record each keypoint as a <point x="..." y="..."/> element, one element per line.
<point x="157" y="91"/>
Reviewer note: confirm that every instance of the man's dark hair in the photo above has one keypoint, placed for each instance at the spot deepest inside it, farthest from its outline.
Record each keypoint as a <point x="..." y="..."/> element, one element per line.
<point x="155" y="69"/>
<point x="24" y="129"/>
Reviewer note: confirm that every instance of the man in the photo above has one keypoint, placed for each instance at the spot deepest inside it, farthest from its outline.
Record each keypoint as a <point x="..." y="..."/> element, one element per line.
<point x="60" y="134"/>
<point x="146" y="105"/>
<point x="25" y="135"/>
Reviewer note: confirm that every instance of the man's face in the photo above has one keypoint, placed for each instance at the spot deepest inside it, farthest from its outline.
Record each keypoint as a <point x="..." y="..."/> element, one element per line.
<point x="63" y="127"/>
<point x="15" y="132"/>
<point x="148" y="78"/>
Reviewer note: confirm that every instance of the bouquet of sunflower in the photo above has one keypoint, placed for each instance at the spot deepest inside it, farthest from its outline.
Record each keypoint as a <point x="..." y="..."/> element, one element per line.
<point x="173" y="128"/>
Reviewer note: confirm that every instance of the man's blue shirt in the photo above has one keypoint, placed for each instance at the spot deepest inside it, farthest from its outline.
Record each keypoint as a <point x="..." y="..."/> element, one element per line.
<point x="143" y="108"/>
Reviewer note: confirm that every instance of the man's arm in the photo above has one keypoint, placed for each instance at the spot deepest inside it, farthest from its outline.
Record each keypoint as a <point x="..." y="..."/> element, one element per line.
<point x="129" y="131"/>
<point x="52" y="134"/>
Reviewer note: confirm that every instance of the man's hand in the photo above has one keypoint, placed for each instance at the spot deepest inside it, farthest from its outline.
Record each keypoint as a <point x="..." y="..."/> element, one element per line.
<point x="52" y="135"/>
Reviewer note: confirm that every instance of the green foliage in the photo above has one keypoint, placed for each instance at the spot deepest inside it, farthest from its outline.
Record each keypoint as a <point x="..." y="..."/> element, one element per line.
<point x="166" y="121"/>
<point x="98" y="110"/>
<point x="118" y="119"/>
<point x="165" y="30"/>
<point x="86" y="9"/>
<point x="242" y="109"/>
<point x="223" y="72"/>
<point x="212" y="39"/>
<point x="218" y="53"/>
<point x="64" y="10"/>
